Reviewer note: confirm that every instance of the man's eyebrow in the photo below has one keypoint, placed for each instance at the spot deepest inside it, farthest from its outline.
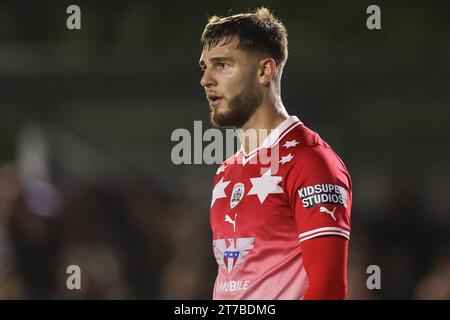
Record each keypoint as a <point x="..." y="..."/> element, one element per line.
<point x="215" y="59"/>
<point x="221" y="59"/>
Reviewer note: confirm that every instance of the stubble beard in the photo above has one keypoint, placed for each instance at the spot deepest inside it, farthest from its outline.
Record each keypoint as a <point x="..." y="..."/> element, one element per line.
<point x="240" y="109"/>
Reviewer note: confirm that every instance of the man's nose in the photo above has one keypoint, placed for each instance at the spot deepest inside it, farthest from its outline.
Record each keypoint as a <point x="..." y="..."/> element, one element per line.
<point x="207" y="80"/>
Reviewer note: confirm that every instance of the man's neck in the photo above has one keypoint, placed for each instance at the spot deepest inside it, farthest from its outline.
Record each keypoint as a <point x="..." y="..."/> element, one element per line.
<point x="266" y="118"/>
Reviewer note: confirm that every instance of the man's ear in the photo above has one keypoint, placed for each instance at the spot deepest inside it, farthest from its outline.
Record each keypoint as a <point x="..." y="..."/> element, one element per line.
<point x="267" y="70"/>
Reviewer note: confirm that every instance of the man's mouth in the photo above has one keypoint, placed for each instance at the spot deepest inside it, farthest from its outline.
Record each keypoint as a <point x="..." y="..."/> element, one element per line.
<point x="214" y="100"/>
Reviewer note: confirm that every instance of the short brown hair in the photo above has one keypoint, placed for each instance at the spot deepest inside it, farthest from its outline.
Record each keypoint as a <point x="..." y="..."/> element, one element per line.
<point x="257" y="31"/>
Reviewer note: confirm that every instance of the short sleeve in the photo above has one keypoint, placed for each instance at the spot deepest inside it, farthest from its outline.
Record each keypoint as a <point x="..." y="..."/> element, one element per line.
<point x="319" y="187"/>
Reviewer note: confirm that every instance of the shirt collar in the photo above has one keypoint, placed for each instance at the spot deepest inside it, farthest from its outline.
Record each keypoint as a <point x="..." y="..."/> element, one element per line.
<point x="277" y="134"/>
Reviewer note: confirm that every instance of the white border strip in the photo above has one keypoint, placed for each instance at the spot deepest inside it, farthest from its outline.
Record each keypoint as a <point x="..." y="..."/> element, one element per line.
<point x="304" y="234"/>
<point x="324" y="234"/>
<point x="276" y="135"/>
<point x="254" y="153"/>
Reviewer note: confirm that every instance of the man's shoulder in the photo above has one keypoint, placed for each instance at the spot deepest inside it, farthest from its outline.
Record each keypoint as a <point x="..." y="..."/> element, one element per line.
<point x="302" y="139"/>
<point x="308" y="148"/>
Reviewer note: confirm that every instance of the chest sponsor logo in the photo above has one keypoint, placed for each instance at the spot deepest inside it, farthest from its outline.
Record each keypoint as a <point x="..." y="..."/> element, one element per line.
<point x="322" y="194"/>
<point x="230" y="253"/>
<point x="232" y="286"/>
<point x="237" y="194"/>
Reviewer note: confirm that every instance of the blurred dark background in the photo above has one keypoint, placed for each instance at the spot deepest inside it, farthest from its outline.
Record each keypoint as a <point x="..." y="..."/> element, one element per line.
<point x="86" y="176"/>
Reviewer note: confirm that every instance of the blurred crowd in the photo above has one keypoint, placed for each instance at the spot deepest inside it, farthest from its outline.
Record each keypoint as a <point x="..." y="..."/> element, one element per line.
<point x="134" y="243"/>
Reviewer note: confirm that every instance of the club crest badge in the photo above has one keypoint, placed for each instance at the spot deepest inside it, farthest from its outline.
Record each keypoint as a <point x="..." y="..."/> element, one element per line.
<point x="237" y="194"/>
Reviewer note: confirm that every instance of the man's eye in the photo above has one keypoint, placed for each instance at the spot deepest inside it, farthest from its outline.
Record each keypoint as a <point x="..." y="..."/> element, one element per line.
<point x="222" y="65"/>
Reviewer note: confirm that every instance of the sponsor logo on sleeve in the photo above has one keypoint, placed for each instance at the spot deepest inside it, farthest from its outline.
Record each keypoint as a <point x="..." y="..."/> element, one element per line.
<point x="314" y="195"/>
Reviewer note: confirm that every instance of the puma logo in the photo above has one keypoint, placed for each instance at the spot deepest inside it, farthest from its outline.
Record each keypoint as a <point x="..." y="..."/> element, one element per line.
<point x="228" y="219"/>
<point x="331" y="213"/>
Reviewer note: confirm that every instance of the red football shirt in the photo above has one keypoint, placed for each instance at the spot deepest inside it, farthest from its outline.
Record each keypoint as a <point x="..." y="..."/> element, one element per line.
<point x="260" y="213"/>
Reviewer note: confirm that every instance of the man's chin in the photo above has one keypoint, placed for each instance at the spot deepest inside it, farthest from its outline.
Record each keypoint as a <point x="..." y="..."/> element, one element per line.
<point x="216" y="121"/>
<point x="225" y="120"/>
<point x="220" y="120"/>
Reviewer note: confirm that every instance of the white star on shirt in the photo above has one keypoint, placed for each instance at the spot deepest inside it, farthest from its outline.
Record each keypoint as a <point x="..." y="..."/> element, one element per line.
<point x="221" y="169"/>
<point x="291" y="143"/>
<point x="219" y="191"/>
<point x="265" y="185"/>
<point x="287" y="158"/>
